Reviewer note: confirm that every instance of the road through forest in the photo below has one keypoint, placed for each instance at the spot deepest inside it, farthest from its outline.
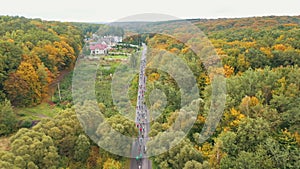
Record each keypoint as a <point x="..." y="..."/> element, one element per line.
<point x="139" y="149"/>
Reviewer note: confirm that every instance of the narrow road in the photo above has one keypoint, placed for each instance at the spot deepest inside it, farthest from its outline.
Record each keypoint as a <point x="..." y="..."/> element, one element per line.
<point x="139" y="148"/>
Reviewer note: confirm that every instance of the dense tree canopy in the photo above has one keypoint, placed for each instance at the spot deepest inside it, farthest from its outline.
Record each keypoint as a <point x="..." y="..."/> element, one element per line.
<point x="259" y="127"/>
<point x="32" y="51"/>
<point x="35" y="148"/>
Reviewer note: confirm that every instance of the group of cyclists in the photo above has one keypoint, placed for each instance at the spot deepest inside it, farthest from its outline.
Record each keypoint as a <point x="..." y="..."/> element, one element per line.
<point x="141" y="112"/>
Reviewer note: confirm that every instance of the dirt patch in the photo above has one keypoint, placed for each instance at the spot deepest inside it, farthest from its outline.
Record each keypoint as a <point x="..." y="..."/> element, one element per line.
<point x="4" y="144"/>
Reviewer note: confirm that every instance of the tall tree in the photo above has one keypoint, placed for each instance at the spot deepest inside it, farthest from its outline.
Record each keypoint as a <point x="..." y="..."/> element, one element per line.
<point x="82" y="147"/>
<point x="7" y="118"/>
<point x="23" y="87"/>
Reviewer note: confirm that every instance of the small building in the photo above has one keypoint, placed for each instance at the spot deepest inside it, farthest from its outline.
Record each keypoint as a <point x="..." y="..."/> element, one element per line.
<point x="98" y="49"/>
<point x="118" y="39"/>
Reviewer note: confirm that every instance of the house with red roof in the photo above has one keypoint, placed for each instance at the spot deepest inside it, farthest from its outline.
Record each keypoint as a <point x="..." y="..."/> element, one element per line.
<point x="98" y="49"/>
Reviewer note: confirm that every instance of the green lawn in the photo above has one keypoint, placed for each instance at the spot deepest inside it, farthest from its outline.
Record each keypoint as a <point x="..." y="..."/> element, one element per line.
<point x="43" y="110"/>
<point x="117" y="56"/>
<point x="108" y="56"/>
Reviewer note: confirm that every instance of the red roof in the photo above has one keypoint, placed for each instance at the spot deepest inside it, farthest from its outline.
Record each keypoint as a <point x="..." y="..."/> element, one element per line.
<point x="98" y="46"/>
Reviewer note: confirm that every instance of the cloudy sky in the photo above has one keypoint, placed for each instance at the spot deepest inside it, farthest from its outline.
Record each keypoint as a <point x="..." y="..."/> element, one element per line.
<point x="112" y="10"/>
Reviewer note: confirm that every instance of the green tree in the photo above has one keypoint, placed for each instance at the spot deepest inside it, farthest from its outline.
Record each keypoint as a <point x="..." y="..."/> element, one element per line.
<point x="7" y="118"/>
<point x="195" y="164"/>
<point x="10" y="58"/>
<point x="35" y="147"/>
<point x="178" y="156"/>
<point x="82" y="147"/>
<point x="251" y="132"/>
<point x="283" y="154"/>
<point x="9" y="160"/>
<point x="248" y="160"/>
<point x="116" y="128"/>
<point x="64" y="129"/>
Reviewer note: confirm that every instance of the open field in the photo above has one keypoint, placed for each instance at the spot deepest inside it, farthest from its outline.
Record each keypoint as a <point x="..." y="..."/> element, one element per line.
<point x="43" y="110"/>
<point x="116" y="56"/>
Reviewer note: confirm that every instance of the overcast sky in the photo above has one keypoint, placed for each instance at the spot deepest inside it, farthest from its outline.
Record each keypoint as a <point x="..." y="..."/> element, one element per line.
<point x="112" y="10"/>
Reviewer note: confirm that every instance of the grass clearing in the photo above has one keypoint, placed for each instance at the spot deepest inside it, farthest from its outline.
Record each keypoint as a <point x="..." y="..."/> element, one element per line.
<point x="117" y="56"/>
<point x="44" y="110"/>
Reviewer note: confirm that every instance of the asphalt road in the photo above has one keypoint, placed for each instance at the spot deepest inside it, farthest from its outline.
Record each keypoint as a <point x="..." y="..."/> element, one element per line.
<point x="139" y="149"/>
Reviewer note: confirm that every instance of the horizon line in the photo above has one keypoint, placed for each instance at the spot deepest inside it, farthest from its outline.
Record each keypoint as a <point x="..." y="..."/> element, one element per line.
<point x="178" y="19"/>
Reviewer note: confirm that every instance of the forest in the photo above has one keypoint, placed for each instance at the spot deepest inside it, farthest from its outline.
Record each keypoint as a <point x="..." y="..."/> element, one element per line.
<point x="259" y="127"/>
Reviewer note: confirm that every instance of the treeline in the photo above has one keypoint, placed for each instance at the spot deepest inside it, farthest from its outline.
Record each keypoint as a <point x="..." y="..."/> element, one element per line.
<point x="255" y="42"/>
<point x="32" y="54"/>
<point x="106" y="30"/>
<point x="87" y="28"/>
<point x="214" y="25"/>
